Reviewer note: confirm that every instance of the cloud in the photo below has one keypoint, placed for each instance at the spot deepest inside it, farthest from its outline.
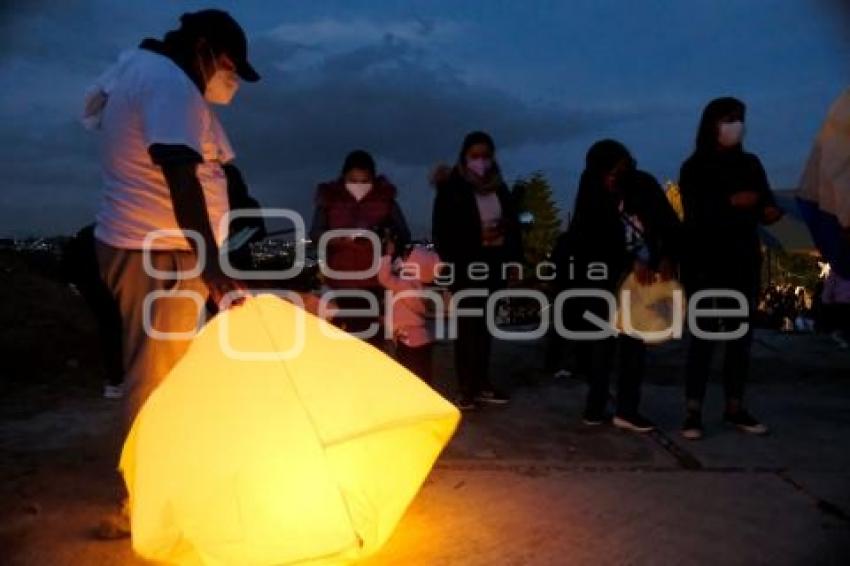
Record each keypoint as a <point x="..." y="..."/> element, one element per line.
<point x="336" y="76"/>
<point x="361" y="31"/>
<point x="391" y="98"/>
<point x="321" y="96"/>
<point x="303" y="45"/>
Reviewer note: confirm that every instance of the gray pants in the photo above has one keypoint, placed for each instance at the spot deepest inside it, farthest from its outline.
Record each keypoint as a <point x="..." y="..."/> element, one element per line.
<point x="148" y="359"/>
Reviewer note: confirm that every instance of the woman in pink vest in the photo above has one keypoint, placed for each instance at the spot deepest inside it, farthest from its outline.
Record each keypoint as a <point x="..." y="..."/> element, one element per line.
<point x="361" y="201"/>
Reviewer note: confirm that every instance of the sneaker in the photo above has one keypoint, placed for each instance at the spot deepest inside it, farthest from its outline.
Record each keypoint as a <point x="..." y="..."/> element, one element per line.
<point x="593" y="418"/>
<point x="465" y="403"/>
<point x="839" y="340"/>
<point x="492" y="397"/>
<point x="744" y="422"/>
<point x="634" y="423"/>
<point x="113" y="391"/>
<point x="692" y="429"/>
<point x="116" y="525"/>
<point x="562" y="374"/>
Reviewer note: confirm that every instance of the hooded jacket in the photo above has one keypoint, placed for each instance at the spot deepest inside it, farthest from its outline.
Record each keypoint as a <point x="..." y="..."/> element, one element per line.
<point x="412" y="312"/>
<point x="597" y="232"/>
<point x="377" y="211"/>
<point x="456" y="225"/>
<point x="723" y="246"/>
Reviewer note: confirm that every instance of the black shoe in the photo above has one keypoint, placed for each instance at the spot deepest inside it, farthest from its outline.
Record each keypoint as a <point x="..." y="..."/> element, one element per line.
<point x="634" y="423"/>
<point x="744" y="422"/>
<point x="492" y="397"/>
<point x="115" y="525"/>
<point x="595" y="418"/>
<point x="692" y="429"/>
<point x="465" y="403"/>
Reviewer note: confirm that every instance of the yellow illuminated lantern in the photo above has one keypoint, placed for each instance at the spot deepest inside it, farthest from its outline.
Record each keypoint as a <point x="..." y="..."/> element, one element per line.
<point x="278" y="439"/>
<point x="674" y="197"/>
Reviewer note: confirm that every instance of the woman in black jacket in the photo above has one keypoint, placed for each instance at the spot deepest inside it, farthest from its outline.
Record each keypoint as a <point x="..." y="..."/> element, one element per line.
<point x="475" y="221"/>
<point x="726" y="196"/>
<point x="622" y="223"/>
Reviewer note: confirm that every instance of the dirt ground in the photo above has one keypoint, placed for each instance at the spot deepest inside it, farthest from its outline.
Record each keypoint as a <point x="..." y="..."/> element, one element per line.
<point x="525" y="484"/>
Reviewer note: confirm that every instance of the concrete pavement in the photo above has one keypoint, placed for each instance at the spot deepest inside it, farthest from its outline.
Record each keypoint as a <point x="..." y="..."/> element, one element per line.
<point x="527" y="483"/>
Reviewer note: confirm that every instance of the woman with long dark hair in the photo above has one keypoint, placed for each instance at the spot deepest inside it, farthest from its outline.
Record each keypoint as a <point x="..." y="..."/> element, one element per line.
<point x="726" y="196"/>
<point x="622" y="223"/>
<point x="475" y="221"/>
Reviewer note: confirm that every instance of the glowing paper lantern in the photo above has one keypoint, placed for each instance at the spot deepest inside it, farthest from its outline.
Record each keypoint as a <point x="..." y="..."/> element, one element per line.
<point x="824" y="196"/>
<point x="242" y="457"/>
<point x="674" y="197"/>
<point x="652" y="309"/>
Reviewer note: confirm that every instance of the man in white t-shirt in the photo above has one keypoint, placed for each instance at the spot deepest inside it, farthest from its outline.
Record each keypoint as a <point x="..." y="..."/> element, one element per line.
<point x="165" y="192"/>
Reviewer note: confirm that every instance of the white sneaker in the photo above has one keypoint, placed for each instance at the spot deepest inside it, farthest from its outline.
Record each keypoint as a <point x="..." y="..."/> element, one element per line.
<point x="562" y="374"/>
<point x="115" y="525"/>
<point x="634" y="423"/>
<point x="113" y="391"/>
<point x="492" y="397"/>
<point x="745" y="422"/>
<point x="839" y="340"/>
<point x="692" y="429"/>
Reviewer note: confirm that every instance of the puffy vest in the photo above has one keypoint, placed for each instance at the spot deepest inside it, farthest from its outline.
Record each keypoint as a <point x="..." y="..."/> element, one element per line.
<point x="344" y="211"/>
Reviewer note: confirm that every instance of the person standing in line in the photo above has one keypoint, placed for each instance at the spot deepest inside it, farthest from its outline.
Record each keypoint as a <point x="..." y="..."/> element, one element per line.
<point x="622" y="223"/>
<point x="80" y="264"/>
<point x="475" y="221"/>
<point x="726" y="195"/>
<point x="162" y="151"/>
<point x="254" y="226"/>
<point x="359" y="199"/>
<point x="835" y="299"/>
<point x="410" y="312"/>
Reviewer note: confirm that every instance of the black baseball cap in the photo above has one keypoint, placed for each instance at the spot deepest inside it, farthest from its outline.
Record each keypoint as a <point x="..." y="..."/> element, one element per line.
<point x="225" y="35"/>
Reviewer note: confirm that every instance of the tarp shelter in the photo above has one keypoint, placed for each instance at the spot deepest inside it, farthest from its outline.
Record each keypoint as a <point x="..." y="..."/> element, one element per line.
<point x="790" y="233"/>
<point x="245" y="457"/>
<point x="824" y="198"/>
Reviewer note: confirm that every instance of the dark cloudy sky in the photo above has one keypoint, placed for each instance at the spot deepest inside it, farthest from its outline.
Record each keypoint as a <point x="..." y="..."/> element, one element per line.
<point x="406" y="79"/>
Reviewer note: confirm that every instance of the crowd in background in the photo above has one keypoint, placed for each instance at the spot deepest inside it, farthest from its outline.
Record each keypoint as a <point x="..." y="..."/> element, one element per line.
<point x="621" y="218"/>
<point x="787" y="307"/>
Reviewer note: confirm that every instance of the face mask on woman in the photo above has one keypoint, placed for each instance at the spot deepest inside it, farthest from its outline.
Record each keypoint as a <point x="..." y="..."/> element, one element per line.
<point x="730" y="134"/>
<point x="358" y="190"/>
<point x="221" y="87"/>
<point x="479" y="165"/>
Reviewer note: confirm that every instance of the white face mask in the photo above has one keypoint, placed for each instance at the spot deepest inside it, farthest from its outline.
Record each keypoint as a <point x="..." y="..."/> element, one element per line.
<point x="221" y="87"/>
<point x="730" y="134"/>
<point x="480" y="166"/>
<point x="358" y="190"/>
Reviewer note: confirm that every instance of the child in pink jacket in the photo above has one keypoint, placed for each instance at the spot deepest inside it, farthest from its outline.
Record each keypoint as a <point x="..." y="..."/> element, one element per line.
<point x="410" y="315"/>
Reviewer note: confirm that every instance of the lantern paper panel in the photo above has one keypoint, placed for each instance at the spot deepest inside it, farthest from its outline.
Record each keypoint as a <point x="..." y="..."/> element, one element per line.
<point x="824" y="195"/>
<point x="241" y="457"/>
